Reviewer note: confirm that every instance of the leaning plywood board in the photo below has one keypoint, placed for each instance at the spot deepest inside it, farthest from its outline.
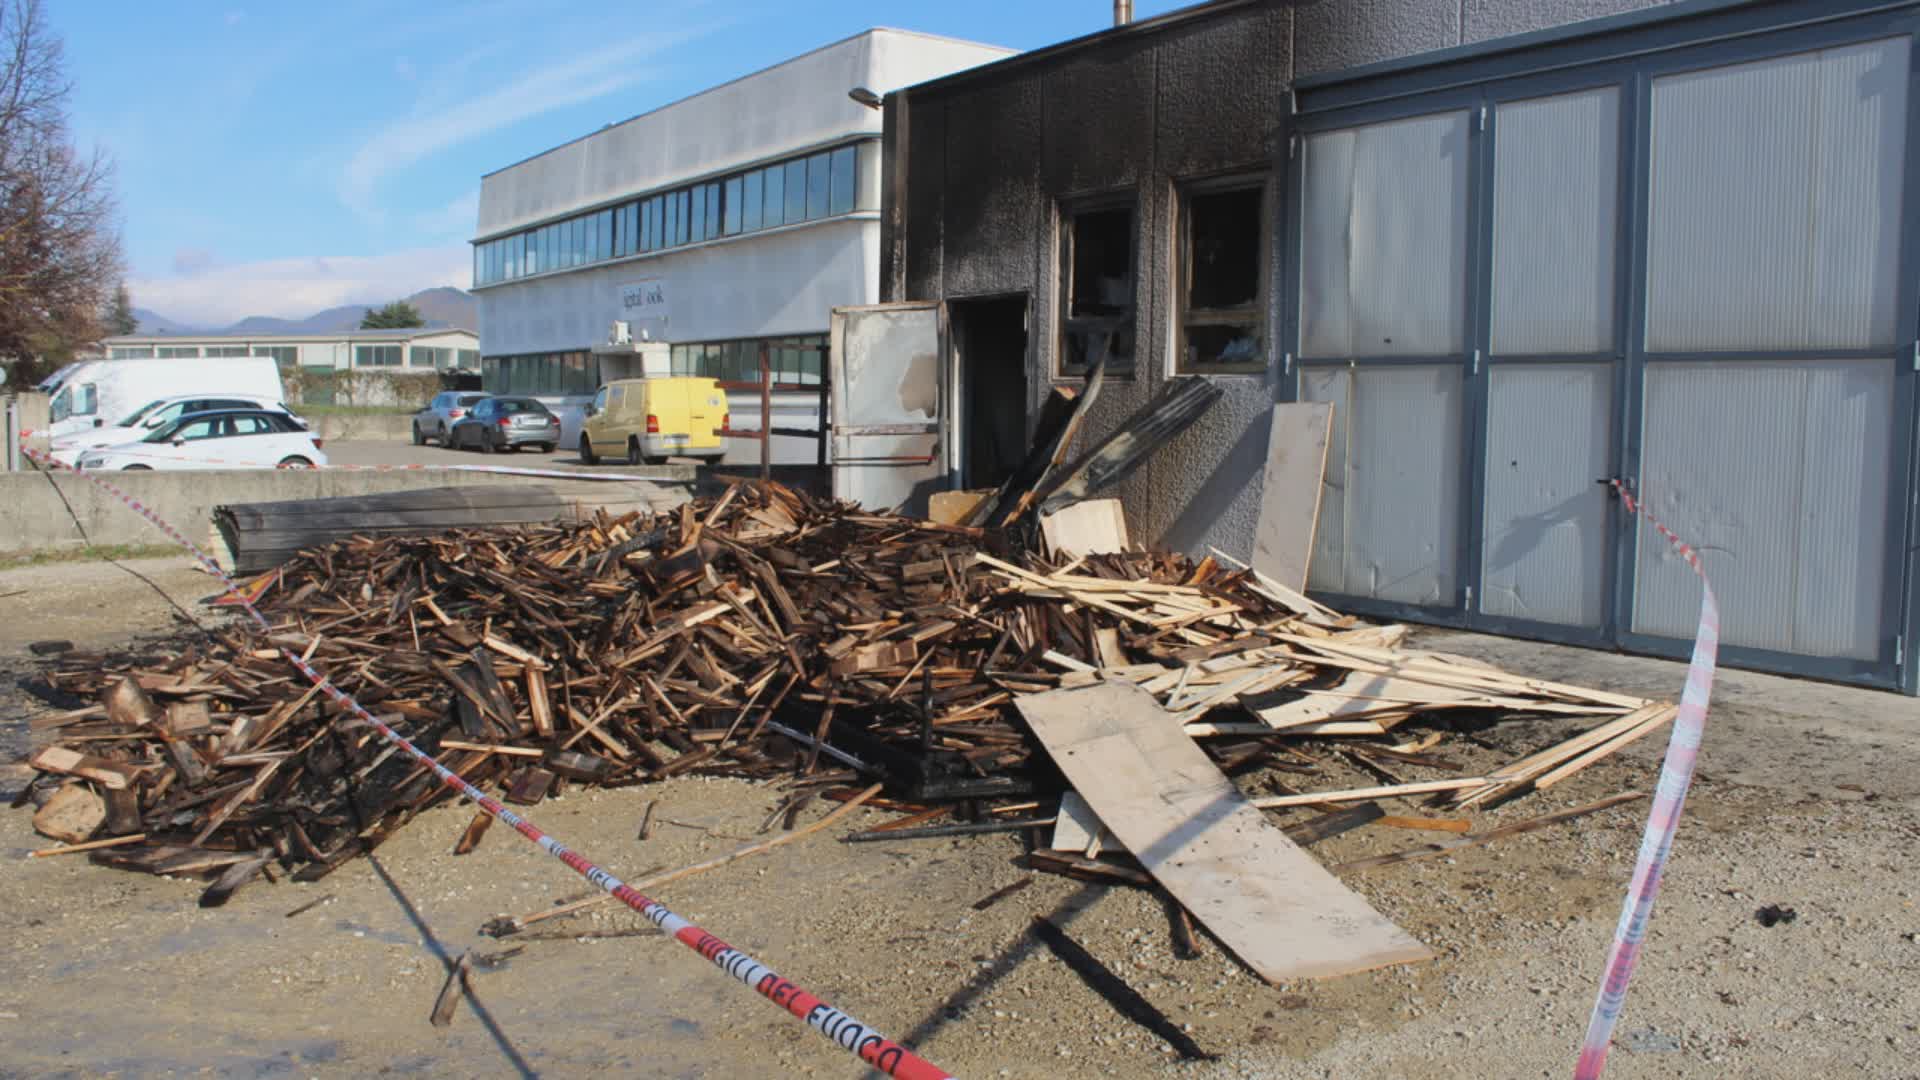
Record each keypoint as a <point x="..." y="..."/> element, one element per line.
<point x="1093" y="527"/>
<point x="1290" y="491"/>
<point x="1279" y="910"/>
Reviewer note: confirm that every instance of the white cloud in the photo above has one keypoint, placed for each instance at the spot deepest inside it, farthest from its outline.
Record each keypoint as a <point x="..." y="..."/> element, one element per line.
<point x="456" y="220"/>
<point x="547" y="87"/>
<point x="295" y="288"/>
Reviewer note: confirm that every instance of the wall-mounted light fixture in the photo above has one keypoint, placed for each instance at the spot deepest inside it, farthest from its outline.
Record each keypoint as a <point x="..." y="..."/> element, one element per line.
<point x="865" y="97"/>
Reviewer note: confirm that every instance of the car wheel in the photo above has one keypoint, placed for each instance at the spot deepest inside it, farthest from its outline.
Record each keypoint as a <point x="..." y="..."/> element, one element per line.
<point x="138" y="468"/>
<point x="661" y="460"/>
<point x="486" y="444"/>
<point x="586" y="452"/>
<point x="294" y="462"/>
<point x="546" y="447"/>
<point x="418" y="438"/>
<point x="634" y="454"/>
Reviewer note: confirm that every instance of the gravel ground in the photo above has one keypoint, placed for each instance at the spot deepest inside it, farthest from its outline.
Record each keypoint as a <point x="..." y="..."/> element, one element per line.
<point x="1808" y="798"/>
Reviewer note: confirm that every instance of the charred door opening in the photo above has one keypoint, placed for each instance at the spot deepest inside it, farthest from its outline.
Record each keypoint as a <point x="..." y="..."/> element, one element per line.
<point x="990" y="356"/>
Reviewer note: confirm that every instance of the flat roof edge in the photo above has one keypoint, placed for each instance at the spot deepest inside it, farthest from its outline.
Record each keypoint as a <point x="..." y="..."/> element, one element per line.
<point x="756" y="73"/>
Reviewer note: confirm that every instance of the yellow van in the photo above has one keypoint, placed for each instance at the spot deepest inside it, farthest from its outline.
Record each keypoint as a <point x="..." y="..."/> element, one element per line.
<point x="650" y="420"/>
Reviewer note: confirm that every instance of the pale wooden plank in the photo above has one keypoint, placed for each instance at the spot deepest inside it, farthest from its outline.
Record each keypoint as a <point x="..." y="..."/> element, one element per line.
<point x="1290" y="491"/>
<point x="1270" y="902"/>
<point x="1091" y="527"/>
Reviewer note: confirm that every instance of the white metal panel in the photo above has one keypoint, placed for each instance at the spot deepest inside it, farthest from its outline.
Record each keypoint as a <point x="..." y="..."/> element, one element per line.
<point x="1776" y="202"/>
<point x="1389" y="520"/>
<point x="1778" y="473"/>
<point x="888" y="378"/>
<point x="1548" y="440"/>
<point x="1555" y="208"/>
<point x="1384" y="242"/>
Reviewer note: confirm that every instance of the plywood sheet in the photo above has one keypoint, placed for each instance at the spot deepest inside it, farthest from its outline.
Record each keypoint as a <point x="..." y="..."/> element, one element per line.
<point x="955" y="507"/>
<point x="1279" y="910"/>
<point x="1092" y="527"/>
<point x="1290" y="491"/>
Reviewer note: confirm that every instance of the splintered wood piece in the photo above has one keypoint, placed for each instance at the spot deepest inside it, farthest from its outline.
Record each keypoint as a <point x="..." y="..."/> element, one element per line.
<point x="73" y="814"/>
<point x="235" y="876"/>
<point x="128" y="703"/>
<point x="451" y="991"/>
<point x="470" y="836"/>
<point x="1267" y="900"/>
<point x="539" y="704"/>
<point x="1290" y="490"/>
<point x="530" y="786"/>
<point x="59" y="759"/>
<point x="91" y="845"/>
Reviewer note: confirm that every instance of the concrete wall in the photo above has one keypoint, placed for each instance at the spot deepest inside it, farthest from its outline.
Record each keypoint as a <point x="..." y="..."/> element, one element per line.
<point x="758" y="285"/>
<point x="792" y="106"/>
<point x="38" y="520"/>
<point x="989" y="157"/>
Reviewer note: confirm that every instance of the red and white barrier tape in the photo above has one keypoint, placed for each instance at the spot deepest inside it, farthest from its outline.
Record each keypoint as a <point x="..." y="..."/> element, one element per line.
<point x="1676" y="774"/>
<point x="850" y="1034"/>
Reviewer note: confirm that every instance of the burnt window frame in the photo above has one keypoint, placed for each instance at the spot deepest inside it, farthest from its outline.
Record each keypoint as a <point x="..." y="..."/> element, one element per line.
<point x="1065" y="322"/>
<point x="1260" y="310"/>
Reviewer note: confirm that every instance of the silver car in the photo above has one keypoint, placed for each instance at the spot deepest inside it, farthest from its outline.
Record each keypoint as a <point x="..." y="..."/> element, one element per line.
<point x="445" y="410"/>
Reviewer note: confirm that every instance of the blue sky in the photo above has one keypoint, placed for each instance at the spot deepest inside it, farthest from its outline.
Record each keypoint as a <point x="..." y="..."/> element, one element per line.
<point x="275" y="159"/>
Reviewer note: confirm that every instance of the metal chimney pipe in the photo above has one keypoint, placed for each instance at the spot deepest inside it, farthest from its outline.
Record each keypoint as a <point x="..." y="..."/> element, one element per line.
<point x="1122" y="12"/>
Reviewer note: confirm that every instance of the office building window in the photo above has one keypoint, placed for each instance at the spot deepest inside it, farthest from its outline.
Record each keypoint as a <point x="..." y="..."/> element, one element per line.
<point x="1097" y="278"/>
<point x="226" y="350"/>
<point x="819" y="186"/>
<point x="283" y="355"/>
<point x="775" y="201"/>
<point x="731" y="200"/>
<point x="176" y="352"/>
<point x="469" y="359"/>
<point x="796" y="208"/>
<point x="846" y="179"/>
<point x="376" y="356"/>
<point x="130" y="352"/>
<point x="751" y="193"/>
<point x="1223" y="279"/>
<point x="811" y="188"/>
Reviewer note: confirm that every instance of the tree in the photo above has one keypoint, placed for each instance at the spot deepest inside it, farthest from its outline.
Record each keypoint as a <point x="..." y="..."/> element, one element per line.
<point x="398" y="315"/>
<point x="59" y="246"/>
<point x="119" y="318"/>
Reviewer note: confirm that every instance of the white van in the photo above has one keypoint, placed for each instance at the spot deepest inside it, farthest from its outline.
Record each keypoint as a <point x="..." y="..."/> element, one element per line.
<point x="102" y="392"/>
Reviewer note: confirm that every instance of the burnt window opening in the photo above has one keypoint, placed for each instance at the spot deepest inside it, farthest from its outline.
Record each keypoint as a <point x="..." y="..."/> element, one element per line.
<point x="1223" y="309"/>
<point x="1097" y="264"/>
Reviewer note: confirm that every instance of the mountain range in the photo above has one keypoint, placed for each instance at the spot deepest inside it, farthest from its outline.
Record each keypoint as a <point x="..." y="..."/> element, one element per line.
<point x="442" y="307"/>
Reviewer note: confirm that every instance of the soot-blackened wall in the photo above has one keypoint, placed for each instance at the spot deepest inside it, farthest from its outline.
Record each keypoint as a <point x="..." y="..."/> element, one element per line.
<point x="988" y="161"/>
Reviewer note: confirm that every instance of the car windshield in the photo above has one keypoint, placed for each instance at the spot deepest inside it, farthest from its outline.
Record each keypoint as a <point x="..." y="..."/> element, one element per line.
<point x="138" y="414"/>
<point x="174" y="428"/>
<point x="517" y="405"/>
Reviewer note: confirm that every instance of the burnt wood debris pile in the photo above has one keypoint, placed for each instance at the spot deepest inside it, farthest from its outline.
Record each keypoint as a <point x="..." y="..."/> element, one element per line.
<point x="762" y="634"/>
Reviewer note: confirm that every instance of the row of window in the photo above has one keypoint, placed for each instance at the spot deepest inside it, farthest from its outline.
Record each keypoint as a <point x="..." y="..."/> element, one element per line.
<point x="289" y="355"/>
<point x="808" y="188"/>
<point x="1222" y="288"/>
<point x="792" y="360"/>
<point x="797" y="360"/>
<point x="567" y="373"/>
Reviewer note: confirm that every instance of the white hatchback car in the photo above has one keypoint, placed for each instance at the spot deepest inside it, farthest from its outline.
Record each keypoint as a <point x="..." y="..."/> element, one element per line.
<point x="153" y="416"/>
<point x="228" y="439"/>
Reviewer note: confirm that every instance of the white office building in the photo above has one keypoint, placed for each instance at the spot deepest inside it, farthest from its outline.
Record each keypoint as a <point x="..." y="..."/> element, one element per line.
<point x="739" y="216"/>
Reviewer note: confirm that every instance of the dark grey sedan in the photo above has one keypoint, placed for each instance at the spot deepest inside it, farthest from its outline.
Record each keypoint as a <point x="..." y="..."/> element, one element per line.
<point x="505" y="423"/>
